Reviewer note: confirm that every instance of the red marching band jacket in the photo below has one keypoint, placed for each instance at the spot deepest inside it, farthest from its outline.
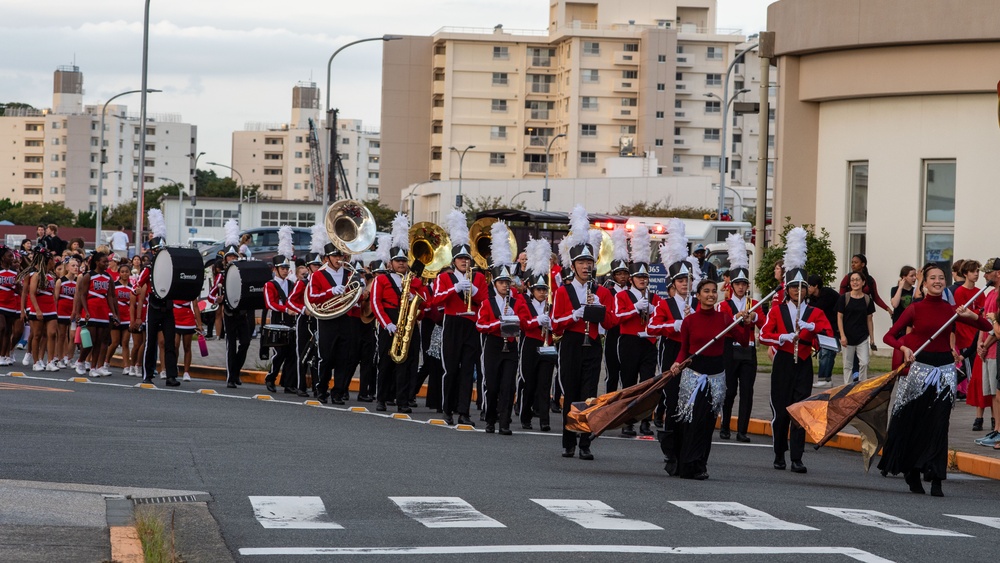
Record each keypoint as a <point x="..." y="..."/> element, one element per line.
<point x="779" y="321"/>
<point x="529" y="322"/>
<point x="562" y="311"/>
<point x="321" y="288"/>
<point x="629" y="319"/>
<point x="214" y="293"/>
<point x="386" y="295"/>
<point x="664" y="317"/>
<point x="273" y="299"/>
<point x="453" y="300"/>
<point x="487" y="321"/>
<point x="729" y="306"/>
<point x="296" y="299"/>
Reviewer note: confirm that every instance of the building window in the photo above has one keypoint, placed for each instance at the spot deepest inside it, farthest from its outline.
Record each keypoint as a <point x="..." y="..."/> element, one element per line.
<point x="713" y="79"/>
<point x="501" y="53"/>
<point x="770" y="141"/>
<point x="498" y="132"/>
<point x="715" y="53"/>
<point x="345" y="141"/>
<point x="661" y="58"/>
<point x="713" y="107"/>
<point x="660" y="87"/>
<point x="298" y="139"/>
<point x="588" y="130"/>
<point x="770" y="114"/>
<point x="499" y="78"/>
<point x="630" y="102"/>
<point x="290" y="218"/>
<point x="658" y="142"/>
<point x="591" y="76"/>
<point x="588" y="158"/>
<point x="939" y="213"/>
<point x="857" y="213"/>
<point x="298" y="185"/>
<point x="632" y="47"/>
<point x="591" y="48"/>
<point x="499" y="106"/>
<point x="373" y="175"/>
<point x="298" y="169"/>
<point x="710" y="162"/>
<point x="630" y="74"/>
<point x="498" y="159"/>
<point x="711" y="134"/>
<point x="202" y="217"/>
<point x="373" y="159"/>
<point x="298" y="154"/>
<point x="588" y="102"/>
<point x="659" y="115"/>
<point x="628" y="129"/>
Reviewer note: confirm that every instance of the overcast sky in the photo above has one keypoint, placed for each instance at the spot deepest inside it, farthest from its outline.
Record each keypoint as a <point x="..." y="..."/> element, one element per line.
<point x="223" y="63"/>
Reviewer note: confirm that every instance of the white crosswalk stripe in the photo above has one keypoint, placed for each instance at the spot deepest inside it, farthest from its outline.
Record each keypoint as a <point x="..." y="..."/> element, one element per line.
<point x="887" y="522"/>
<point x="593" y="514"/>
<point x="304" y="513"/>
<point x="990" y="521"/>
<point x="739" y="516"/>
<point x="444" y="512"/>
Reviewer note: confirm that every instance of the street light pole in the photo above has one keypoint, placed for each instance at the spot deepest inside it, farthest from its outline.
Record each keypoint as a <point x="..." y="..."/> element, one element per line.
<point x="724" y="150"/>
<point x="725" y="123"/>
<point x="461" y="161"/>
<point x="239" y="206"/>
<point x="511" y="204"/>
<point x="331" y="177"/>
<point x="100" y="166"/>
<point x="141" y="195"/>
<point x="193" y="177"/>
<point x="413" y="194"/>
<point x="546" y="194"/>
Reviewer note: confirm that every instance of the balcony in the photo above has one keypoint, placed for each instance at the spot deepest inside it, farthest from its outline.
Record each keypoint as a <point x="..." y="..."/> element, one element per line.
<point x="439" y="60"/>
<point x="681" y="116"/>
<point x="437" y="114"/>
<point x="628" y="85"/>
<point x="736" y="176"/>
<point x="629" y="113"/>
<point x="535" y="141"/>
<point x="683" y="88"/>
<point x="437" y="139"/>
<point x="539" y="114"/>
<point x="436" y="167"/>
<point x="541" y="87"/>
<point x="536" y="167"/>
<point x="544" y="62"/>
<point x="686" y="60"/>
<point x="438" y="87"/>
<point x="680" y="143"/>
<point x="627" y="58"/>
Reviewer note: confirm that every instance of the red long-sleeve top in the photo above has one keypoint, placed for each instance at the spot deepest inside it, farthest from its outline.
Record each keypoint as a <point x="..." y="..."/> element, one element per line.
<point x="488" y="323"/>
<point x="296" y="299"/>
<point x="965" y="335"/>
<point x="925" y="317"/>
<point x="214" y="293"/>
<point x="562" y="310"/>
<point x="662" y="323"/>
<point x="320" y="289"/>
<point x="529" y="324"/>
<point x="274" y="300"/>
<point x="629" y="318"/>
<point x="775" y="326"/>
<point x="700" y="327"/>
<point x="453" y="300"/>
<point x="385" y="300"/>
<point x="729" y="306"/>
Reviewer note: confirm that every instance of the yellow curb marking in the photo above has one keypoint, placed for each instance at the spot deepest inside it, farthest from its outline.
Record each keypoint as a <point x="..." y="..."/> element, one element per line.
<point x="17" y="374"/>
<point x="207" y="391"/>
<point x="146" y="386"/>
<point x="312" y="403"/>
<point x="401" y="416"/>
<point x="465" y="427"/>
<point x="79" y="380"/>
<point x="263" y="397"/>
<point x="20" y="387"/>
<point x="125" y="545"/>
<point x="436" y="422"/>
<point x="359" y="409"/>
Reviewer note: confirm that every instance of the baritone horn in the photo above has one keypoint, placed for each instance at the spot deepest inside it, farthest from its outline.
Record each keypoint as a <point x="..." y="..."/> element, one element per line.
<point x="351" y="228"/>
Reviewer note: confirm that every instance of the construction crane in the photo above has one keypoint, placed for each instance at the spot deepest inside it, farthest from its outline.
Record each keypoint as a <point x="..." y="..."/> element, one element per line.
<point x="337" y="166"/>
<point x="316" y="161"/>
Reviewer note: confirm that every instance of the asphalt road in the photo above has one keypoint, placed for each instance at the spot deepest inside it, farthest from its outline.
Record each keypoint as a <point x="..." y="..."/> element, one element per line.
<point x="363" y="471"/>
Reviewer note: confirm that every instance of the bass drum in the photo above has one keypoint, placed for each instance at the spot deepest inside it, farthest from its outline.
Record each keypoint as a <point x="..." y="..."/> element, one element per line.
<point x="178" y="274"/>
<point x="244" y="284"/>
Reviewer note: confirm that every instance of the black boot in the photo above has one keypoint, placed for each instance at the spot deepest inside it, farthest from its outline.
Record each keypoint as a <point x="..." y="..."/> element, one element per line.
<point x="724" y="433"/>
<point x="913" y="480"/>
<point x="977" y="425"/>
<point x="644" y="428"/>
<point x="936" y="488"/>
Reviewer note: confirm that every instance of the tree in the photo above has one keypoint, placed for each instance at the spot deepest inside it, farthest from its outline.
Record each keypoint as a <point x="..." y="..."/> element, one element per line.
<point x="661" y="208"/>
<point x="383" y="214"/>
<point x="820" y="258"/>
<point x="121" y="214"/>
<point x="86" y="219"/>
<point x="6" y="205"/>
<point x="14" y="105"/>
<point x="485" y="203"/>
<point x="40" y="213"/>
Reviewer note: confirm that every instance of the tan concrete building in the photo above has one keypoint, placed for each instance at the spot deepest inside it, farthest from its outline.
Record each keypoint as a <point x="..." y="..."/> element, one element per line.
<point x="277" y="156"/>
<point x="887" y="127"/>
<point x="618" y="78"/>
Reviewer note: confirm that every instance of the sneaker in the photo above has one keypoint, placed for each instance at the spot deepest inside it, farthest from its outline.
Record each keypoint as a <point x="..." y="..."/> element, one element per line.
<point x="21" y="344"/>
<point x="51" y="366"/>
<point x="60" y="364"/>
<point x="126" y="370"/>
<point x="822" y="383"/>
<point x="86" y="365"/>
<point x="4" y="361"/>
<point x="38" y="366"/>
<point x="187" y="376"/>
<point x="991" y="436"/>
<point x="106" y="369"/>
<point x="102" y="371"/>
<point x="80" y="370"/>
<point x="163" y="375"/>
<point x="26" y="361"/>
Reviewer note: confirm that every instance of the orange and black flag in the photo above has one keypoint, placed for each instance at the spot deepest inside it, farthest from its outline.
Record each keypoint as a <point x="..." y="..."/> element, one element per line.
<point x="864" y="405"/>
<point x="615" y="409"/>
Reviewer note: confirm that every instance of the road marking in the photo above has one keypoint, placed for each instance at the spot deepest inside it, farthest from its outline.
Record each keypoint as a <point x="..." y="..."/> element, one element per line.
<point x="889" y="523"/>
<point x="849" y="552"/>
<point x="18" y="387"/>
<point x="593" y="514"/>
<point x="305" y="513"/>
<point x="990" y="521"/>
<point x="739" y="516"/>
<point x="444" y="512"/>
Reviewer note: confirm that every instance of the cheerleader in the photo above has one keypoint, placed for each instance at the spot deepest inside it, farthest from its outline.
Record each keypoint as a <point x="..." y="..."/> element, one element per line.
<point x="917" y="442"/>
<point x="137" y="326"/>
<point x="41" y="310"/>
<point x="120" y="330"/>
<point x="66" y="292"/>
<point x="9" y="304"/>
<point x="186" y="322"/>
<point x="703" y="382"/>
<point x="95" y="302"/>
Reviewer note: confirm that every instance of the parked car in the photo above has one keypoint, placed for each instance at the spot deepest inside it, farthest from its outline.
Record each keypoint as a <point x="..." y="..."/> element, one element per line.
<point x="264" y="243"/>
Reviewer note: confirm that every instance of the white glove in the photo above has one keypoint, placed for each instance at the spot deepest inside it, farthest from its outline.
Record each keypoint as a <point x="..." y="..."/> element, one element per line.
<point x="807" y="326"/>
<point x="391" y="328"/>
<point x="463" y="285"/>
<point x="578" y="313"/>
<point x="677" y="326"/>
<point x="544" y="320"/>
<point x="339" y="289"/>
<point x="786" y="338"/>
<point x="642" y="305"/>
<point x="475" y="289"/>
<point x="651" y="309"/>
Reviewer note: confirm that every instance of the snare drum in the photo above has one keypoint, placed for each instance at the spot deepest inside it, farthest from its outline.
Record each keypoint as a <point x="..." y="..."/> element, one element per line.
<point x="275" y="336"/>
<point x="244" y="283"/>
<point x="178" y="274"/>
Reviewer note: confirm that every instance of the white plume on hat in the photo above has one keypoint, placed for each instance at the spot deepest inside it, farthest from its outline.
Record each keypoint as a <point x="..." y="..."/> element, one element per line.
<point x="641" y="246"/>
<point x="564" y="246"/>
<point x="232" y="232"/>
<point x="319" y="239"/>
<point x="384" y="241"/>
<point x="539" y="253"/>
<point x="401" y="232"/>
<point x="457" y="226"/>
<point x="737" y="251"/>
<point x="285" y="247"/>
<point x="795" y="249"/>
<point x="500" y="253"/>
<point x="619" y="244"/>
<point x="675" y="248"/>
<point x="695" y="269"/>
<point x="156" y="223"/>
<point x="579" y="226"/>
<point x="596" y="241"/>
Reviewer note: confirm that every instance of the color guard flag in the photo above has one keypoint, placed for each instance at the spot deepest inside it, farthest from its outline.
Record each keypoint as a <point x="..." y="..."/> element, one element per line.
<point x="864" y="405"/>
<point x="615" y="409"/>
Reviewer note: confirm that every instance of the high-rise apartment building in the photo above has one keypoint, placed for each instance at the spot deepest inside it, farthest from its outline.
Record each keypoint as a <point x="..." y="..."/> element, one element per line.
<point x="617" y="78"/>
<point x="53" y="155"/>
<point x="277" y="156"/>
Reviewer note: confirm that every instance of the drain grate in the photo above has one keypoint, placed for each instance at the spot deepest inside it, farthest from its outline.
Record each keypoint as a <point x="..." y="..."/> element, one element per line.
<point x="171" y="499"/>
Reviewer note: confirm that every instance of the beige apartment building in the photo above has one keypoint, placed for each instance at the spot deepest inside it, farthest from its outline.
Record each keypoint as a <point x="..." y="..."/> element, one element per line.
<point x="607" y="80"/>
<point x="53" y="155"/>
<point x="278" y="156"/>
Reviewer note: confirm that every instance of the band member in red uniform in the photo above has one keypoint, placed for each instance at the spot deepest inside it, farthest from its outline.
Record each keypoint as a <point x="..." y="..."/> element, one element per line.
<point x="792" y="328"/>
<point x="740" y="358"/>
<point x="575" y="316"/>
<point x="119" y="331"/>
<point x="633" y="308"/>
<point x="283" y="358"/>
<point x="304" y="331"/>
<point x="460" y="292"/>
<point x="536" y="353"/>
<point x="65" y="293"/>
<point x="10" y="304"/>
<point x="95" y="302"/>
<point x="368" y="378"/>
<point x="333" y="336"/>
<point x="386" y="296"/>
<point x="498" y="314"/>
<point x="618" y="283"/>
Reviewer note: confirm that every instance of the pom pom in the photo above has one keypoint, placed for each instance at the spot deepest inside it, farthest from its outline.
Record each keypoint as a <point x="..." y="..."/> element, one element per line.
<point x="579" y="226"/>
<point x="737" y="249"/>
<point x="539" y="253"/>
<point x="384" y="241"/>
<point x="795" y="249"/>
<point x="675" y="248"/>
<point x="232" y="232"/>
<point x="156" y="223"/>
<point x="319" y="239"/>
<point x="641" y="246"/>
<point x="500" y="253"/>
<point x="619" y="244"/>
<point x="564" y="246"/>
<point x="457" y="227"/>
<point x="285" y="247"/>
<point x="401" y="231"/>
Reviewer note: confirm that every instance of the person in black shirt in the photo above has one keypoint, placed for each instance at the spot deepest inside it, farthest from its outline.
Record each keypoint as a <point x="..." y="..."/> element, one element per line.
<point x="904" y="293"/>
<point x="854" y="319"/>
<point x="825" y="299"/>
<point x="708" y="269"/>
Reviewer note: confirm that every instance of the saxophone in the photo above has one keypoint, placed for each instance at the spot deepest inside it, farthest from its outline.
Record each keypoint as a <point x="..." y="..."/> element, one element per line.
<point x="409" y="307"/>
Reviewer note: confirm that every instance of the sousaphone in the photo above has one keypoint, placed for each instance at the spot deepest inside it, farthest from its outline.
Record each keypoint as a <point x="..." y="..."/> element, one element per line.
<point x="480" y="237"/>
<point x="351" y="228"/>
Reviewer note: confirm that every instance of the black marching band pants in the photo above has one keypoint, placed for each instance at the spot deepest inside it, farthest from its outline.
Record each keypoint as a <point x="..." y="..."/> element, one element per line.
<point x="612" y="360"/>
<point x="638" y="359"/>
<point x="336" y="349"/>
<point x="790" y="383"/>
<point x="368" y="360"/>
<point x="159" y="319"/>
<point x="284" y="360"/>
<point x="430" y="368"/>
<point x="237" y="325"/>
<point x="394" y="379"/>
<point x="499" y="371"/>
<point x="741" y="373"/>
<point x="579" y="373"/>
<point x="534" y="383"/>
<point x="670" y="436"/>
<point x="460" y="350"/>
<point x="302" y="337"/>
